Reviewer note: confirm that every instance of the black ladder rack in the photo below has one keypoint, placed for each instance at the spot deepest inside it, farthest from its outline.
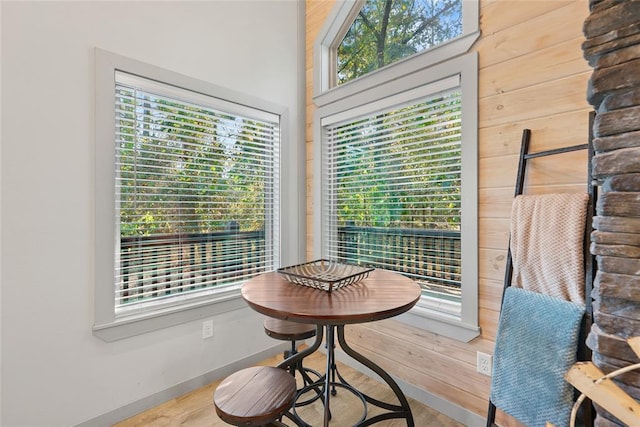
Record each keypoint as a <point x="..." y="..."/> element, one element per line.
<point x="584" y="353"/>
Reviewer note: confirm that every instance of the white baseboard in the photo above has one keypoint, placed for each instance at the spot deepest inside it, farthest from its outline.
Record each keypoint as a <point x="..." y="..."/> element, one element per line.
<point x="156" y="399"/>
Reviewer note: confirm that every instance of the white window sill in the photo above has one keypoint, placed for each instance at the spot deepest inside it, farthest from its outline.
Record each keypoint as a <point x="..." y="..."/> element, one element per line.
<point x="440" y="323"/>
<point x="147" y="321"/>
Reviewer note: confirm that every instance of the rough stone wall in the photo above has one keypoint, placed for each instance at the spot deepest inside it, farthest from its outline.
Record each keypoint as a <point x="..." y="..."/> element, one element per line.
<point x="612" y="48"/>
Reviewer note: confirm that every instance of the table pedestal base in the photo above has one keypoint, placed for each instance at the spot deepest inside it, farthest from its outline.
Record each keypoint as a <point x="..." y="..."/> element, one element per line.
<point x="328" y="383"/>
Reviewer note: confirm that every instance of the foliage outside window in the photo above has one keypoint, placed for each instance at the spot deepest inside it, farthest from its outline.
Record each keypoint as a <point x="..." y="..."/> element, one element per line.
<point x="195" y="191"/>
<point x="386" y="31"/>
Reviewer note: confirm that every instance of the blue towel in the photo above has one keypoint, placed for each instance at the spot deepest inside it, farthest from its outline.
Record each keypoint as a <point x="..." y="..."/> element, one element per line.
<point x="536" y="345"/>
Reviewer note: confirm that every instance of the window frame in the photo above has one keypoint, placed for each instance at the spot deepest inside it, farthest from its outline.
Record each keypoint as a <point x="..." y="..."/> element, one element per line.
<point x="334" y="30"/>
<point x="108" y="325"/>
<point x="422" y="69"/>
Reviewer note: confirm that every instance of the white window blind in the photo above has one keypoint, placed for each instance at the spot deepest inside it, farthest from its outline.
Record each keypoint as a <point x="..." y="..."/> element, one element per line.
<point x="393" y="190"/>
<point x="196" y="193"/>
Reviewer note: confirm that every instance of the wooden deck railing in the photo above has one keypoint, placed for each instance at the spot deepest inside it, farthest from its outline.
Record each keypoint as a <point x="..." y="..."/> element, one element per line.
<point x="165" y="265"/>
<point x="431" y="257"/>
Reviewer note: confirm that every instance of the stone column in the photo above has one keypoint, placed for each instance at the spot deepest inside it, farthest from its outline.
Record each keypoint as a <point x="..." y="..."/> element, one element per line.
<point x="612" y="48"/>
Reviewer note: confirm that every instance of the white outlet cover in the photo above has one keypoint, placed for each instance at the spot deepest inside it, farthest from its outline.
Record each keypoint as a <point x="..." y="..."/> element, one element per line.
<point x="207" y="329"/>
<point x="484" y="364"/>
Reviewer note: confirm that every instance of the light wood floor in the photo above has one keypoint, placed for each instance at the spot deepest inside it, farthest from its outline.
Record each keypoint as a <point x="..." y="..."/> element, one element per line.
<point x="195" y="409"/>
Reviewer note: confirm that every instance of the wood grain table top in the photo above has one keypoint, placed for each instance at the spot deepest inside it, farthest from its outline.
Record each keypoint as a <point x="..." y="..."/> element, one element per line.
<point x="382" y="295"/>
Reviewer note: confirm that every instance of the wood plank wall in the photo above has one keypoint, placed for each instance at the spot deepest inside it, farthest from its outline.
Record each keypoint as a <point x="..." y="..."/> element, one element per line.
<point x="532" y="75"/>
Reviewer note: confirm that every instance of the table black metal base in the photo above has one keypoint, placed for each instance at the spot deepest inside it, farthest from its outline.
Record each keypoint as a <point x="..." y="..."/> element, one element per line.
<point x="328" y="383"/>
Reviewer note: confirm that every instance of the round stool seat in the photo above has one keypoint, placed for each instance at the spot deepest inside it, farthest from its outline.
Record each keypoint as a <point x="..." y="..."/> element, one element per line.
<point x="254" y="396"/>
<point x="287" y="331"/>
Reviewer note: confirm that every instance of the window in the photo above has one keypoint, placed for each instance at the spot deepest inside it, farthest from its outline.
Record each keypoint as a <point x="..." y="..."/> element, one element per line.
<point x="396" y="148"/>
<point x="194" y="197"/>
<point x="394" y="180"/>
<point x="194" y="193"/>
<point x="387" y="31"/>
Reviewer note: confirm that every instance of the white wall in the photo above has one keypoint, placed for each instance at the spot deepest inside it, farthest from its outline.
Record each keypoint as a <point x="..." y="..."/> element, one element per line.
<point x="54" y="371"/>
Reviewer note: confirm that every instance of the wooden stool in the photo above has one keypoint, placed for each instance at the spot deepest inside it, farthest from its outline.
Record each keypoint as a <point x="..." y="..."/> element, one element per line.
<point x="256" y="396"/>
<point x="292" y="331"/>
<point x="288" y="331"/>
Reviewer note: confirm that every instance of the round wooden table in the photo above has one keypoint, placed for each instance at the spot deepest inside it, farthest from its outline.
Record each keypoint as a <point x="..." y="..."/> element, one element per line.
<point x="383" y="294"/>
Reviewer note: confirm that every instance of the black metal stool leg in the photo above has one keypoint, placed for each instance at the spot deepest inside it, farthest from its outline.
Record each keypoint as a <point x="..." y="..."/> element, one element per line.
<point x="306" y="378"/>
<point x="293" y="351"/>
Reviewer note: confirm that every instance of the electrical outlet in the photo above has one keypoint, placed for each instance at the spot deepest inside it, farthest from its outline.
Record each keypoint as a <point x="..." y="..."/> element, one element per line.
<point x="484" y="363"/>
<point x="207" y="329"/>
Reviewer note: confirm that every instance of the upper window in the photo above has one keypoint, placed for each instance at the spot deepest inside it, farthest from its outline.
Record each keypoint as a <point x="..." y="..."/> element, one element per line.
<point x="396" y="150"/>
<point x="187" y="196"/>
<point x="361" y="39"/>
<point x="386" y="31"/>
